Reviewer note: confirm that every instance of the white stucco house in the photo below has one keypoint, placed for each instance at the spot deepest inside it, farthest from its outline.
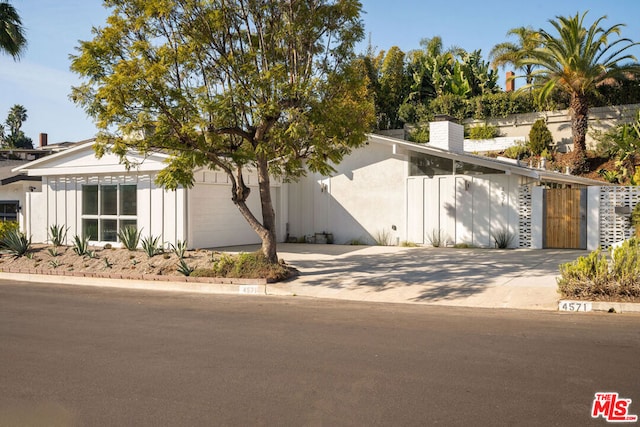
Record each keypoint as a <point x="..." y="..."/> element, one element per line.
<point x="390" y="186"/>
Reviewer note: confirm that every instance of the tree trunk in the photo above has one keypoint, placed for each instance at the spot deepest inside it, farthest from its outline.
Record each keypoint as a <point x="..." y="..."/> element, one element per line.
<point x="268" y="235"/>
<point x="266" y="229"/>
<point x="579" y="126"/>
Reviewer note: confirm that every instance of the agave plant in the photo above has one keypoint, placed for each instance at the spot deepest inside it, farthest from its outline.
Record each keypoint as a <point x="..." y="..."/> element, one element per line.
<point x="80" y="245"/>
<point x="16" y="243"/>
<point x="184" y="268"/>
<point x="130" y="237"/>
<point x="151" y="245"/>
<point x="179" y="248"/>
<point x="58" y="234"/>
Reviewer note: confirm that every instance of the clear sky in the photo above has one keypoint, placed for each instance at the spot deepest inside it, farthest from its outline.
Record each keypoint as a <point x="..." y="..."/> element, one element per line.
<point x="41" y="80"/>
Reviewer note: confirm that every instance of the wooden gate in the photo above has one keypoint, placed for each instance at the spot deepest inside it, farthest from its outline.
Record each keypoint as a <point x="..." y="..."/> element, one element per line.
<point x="565" y="218"/>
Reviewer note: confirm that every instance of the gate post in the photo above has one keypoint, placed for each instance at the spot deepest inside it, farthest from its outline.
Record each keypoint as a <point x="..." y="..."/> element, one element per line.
<point x="593" y="218"/>
<point x="537" y="218"/>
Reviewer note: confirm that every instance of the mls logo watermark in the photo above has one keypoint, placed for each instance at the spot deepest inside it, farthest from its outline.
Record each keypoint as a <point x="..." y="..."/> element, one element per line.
<point x="612" y="408"/>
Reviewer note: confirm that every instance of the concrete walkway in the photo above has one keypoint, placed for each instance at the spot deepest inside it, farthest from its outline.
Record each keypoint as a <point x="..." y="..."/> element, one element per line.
<point x="461" y="277"/>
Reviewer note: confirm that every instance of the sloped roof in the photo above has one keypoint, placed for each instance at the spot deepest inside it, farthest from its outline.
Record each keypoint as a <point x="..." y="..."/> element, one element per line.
<point x="488" y="162"/>
<point x="80" y="159"/>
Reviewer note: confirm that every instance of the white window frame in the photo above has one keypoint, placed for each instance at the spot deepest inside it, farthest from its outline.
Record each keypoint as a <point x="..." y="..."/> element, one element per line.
<point x="100" y="217"/>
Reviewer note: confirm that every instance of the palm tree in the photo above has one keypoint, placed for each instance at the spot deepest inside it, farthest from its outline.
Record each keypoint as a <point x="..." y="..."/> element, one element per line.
<point x="576" y="61"/>
<point x="12" y="39"/>
<point x="515" y="53"/>
<point x="17" y="115"/>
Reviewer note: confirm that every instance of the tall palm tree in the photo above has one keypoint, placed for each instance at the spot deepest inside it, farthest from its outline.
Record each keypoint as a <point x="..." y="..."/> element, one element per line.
<point x="515" y="53"/>
<point x="12" y="38"/>
<point x="576" y="61"/>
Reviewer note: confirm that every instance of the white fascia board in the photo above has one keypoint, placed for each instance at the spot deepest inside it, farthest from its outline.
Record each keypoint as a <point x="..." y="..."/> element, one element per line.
<point x="48" y="159"/>
<point x="54" y="164"/>
<point x="93" y="169"/>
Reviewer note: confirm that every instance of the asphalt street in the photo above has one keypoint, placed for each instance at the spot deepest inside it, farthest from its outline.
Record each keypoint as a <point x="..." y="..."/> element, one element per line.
<point x="97" y="356"/>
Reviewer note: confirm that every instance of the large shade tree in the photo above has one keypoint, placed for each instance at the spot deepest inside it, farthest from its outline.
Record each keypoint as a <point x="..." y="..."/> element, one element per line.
<point x="229" y="84"/>
<point x="576" y="60"/>
<point x="12" y="37"/>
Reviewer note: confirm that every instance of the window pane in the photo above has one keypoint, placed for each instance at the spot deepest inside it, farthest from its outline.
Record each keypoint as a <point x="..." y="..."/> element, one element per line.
<point x="109" y="202"/>
<point x="109" y="230"/>
<point x="90" y="229"/>
<point x="424" y="164"/>
<point x="471" y="169"/>
<point x="90" y="199"/>
<point x="8" y="211"/>
<point x="128" y="200"/>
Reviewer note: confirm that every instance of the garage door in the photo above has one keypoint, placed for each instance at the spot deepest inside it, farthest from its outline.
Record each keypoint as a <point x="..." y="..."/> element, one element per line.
<point x="215" y="221"/>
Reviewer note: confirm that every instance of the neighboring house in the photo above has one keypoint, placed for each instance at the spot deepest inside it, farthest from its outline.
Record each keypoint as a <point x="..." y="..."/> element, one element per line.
<point x="97" y="197"/>
<point x="15" y="185"/>
<point x="389" y="187"/>
<point x="13" y="189"/>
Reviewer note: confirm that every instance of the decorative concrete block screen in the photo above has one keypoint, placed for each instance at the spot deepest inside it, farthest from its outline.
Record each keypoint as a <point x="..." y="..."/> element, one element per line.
<point x="524" y="214"/>
<point x="615" y="227"/>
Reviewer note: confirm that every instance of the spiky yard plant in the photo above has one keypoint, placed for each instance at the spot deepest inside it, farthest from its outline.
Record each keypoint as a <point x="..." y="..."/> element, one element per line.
<point x="151" y="245"/>
<point x="129" y="237"/>
<point x="179" y="248"/>
<point x="58" y="234"/>
<point x="80" y="245"/>
<point x="16" y="242"/>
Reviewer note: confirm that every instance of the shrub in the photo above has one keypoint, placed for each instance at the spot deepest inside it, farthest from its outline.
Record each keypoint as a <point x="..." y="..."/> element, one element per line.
<point x="540" y="138"/>
<point x="58" y="234"/>
<point x="6" y="227"/>
<point x="585" y="277"/>
<point x="419" y="134"/>
<point x="592" y="277"/>
<point x="16" y="243"/>
<point x="635" y="219"/>
<point x="502" y="238"/>
<point x="483" y="132"/>
<point x="436" y="237"/>
<point x="625" y="268"/>
<point x="517" y="151"/>
<point x="151" y="246"/>
<point x="383" y="238"/>
<point x="356" y="242"/>
<point x="129" y="237"/>
<point x="253" y="265"/>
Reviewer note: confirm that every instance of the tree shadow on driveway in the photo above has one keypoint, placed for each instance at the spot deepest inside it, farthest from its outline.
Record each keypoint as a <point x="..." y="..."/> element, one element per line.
<point x="433" y="274"/>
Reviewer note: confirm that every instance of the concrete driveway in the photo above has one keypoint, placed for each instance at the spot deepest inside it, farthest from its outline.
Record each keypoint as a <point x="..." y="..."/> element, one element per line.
<point x="513" y="278"/>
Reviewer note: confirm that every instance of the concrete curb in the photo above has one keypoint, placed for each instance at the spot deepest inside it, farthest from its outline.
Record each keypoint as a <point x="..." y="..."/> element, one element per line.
<point x="619" y="307"/>
<point x="211" y="286"/>
<point x="568" y="305"/>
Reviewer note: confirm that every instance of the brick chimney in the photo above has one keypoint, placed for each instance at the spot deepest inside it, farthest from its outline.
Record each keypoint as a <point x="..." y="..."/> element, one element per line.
<point x="510" y="85"/>
<point x="43" y="140"/>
